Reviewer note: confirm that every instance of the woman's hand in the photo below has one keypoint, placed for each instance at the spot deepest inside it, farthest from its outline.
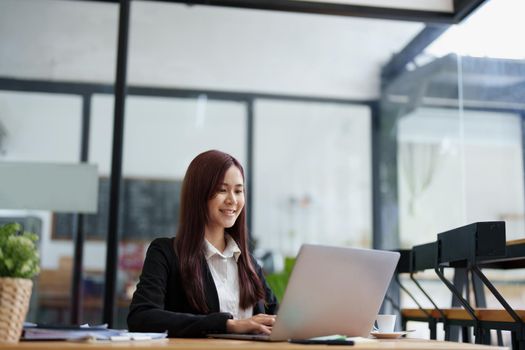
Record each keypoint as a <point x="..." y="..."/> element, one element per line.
<point x="258" y="324"/>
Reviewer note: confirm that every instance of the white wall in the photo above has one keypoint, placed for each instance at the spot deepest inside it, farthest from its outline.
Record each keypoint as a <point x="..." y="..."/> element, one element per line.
<point x="312" y="175"/>
<point x="30" y="122"/>
<point x="42" y="128"/>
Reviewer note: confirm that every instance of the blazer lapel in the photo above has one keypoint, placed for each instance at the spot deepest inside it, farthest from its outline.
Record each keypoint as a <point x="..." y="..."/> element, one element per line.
<point x="258" y="308"/>
<point x="210" y="290"/>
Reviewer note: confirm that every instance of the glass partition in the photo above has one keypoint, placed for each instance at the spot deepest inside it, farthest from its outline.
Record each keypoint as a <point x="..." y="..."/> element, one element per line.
<point x="452" y="142"/>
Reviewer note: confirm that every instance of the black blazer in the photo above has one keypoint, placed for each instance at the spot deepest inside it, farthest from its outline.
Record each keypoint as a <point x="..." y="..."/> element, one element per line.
<point x="159" y="304"/>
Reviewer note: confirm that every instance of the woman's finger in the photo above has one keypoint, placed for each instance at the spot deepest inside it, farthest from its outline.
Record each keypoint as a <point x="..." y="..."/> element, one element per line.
<point x="264" y="330"/>
<point x="265" y="319"/>
<point x="265" y="315"/>
<point x="268" y="321"/>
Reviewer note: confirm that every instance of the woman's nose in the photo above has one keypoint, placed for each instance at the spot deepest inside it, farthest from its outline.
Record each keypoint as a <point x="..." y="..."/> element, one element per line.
<point x="230" y="198"/>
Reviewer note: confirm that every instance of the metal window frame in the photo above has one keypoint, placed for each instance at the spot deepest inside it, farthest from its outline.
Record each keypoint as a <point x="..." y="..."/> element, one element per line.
<point x="86" y="92"/>
<point x="462" y="8"/>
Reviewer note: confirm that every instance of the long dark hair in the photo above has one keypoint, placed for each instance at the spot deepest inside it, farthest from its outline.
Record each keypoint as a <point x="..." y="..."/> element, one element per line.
<point x="202" y="181"/>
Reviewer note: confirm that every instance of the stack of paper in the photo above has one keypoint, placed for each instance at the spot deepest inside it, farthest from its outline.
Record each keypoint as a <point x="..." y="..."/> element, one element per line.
<point x="32" y="332"/>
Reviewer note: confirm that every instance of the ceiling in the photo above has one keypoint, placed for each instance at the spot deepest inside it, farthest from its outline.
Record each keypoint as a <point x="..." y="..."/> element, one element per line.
<point x="212" y="47"/>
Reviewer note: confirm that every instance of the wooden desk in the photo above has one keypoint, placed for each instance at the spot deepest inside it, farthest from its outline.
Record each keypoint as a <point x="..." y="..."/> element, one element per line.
<point x="514" y="257"/>
<point x="223" y="344"/>
<point x="483" y="314"/>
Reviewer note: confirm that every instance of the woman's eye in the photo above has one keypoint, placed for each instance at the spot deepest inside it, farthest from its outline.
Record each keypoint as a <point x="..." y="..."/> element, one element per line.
<point x="222" y="190"/>
<point x="239" y="191"/>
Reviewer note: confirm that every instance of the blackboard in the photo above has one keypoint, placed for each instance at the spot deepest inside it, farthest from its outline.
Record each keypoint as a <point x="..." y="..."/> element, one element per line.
<point x="148" y="208"/>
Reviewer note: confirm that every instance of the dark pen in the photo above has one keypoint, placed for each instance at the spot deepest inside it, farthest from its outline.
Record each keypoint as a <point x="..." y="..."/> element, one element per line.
<point x="324" y="342"/>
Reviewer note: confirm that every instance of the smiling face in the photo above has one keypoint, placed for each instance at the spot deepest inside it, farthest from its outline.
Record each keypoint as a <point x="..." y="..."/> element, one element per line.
<point x="226" y="205"/>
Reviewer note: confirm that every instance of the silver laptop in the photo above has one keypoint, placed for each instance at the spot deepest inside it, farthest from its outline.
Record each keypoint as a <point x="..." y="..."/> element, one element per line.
<point x="332" y="290"/>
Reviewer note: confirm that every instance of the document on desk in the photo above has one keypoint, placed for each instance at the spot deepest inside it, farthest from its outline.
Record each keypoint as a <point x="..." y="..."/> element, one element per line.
<point x="334" y="339"/>
<point x="85" y="333"/>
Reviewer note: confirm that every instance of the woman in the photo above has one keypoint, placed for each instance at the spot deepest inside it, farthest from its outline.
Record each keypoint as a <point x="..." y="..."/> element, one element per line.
<point x="204" y="280"/>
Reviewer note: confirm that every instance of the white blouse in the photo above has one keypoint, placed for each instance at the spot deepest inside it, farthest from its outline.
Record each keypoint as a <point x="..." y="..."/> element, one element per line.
<point x="224" y="270"/>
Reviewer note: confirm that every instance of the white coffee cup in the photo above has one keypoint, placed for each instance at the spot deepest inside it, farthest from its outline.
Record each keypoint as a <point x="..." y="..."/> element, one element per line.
<point x="386" y="323"/>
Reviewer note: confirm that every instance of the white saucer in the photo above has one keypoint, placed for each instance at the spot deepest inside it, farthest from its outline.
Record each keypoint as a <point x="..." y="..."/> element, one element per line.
<point x="389" y="335"/>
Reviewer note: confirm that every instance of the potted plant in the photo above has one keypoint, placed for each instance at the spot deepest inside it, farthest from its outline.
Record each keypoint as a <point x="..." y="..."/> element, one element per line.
<point x="278" y="281"/>
<point x="19" y="262"/>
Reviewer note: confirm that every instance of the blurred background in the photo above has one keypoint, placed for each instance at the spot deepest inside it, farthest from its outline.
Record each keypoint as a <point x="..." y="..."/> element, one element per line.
<point x="360" y="132"/>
